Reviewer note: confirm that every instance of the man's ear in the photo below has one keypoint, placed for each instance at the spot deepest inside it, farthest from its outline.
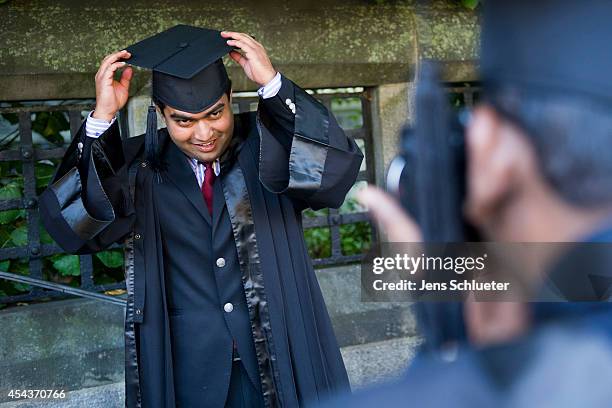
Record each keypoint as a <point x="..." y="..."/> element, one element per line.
<point x="492" y="157"/>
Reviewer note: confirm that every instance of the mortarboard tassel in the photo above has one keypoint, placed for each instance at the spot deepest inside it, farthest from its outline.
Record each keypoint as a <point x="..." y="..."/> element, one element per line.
<point x="152" y="142"/>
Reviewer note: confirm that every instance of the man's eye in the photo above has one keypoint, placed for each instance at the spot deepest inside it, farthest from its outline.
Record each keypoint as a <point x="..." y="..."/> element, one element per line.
<point x="184" y="122"/>
<point x="216" y="114"/>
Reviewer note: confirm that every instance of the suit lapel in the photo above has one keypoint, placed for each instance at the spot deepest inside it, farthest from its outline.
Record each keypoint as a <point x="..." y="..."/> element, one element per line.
<point x="180" y="173"/>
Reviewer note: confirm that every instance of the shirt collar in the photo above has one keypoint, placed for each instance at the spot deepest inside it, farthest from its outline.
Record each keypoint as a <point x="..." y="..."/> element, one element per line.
<point x="216" y="164"/>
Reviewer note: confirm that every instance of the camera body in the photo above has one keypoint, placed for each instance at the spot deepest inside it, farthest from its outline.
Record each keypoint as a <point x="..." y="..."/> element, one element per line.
<point x="429" y="179"/>
<point x="428" y="175"/>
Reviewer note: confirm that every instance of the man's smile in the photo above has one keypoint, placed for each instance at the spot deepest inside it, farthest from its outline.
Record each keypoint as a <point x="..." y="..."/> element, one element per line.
<point x="206" y="146"/>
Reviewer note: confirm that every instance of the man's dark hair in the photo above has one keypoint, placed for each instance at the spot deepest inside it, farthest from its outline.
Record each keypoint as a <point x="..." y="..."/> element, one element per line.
<point x="161" y="105"/>
<point x="572" y="136"/>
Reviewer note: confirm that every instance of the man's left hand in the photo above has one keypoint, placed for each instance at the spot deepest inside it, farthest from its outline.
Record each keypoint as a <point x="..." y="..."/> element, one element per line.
<point x="253" y="57"/>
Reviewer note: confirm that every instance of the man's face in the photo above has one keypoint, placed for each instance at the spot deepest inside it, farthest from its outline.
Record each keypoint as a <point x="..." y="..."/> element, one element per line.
<point x="205" y="135"/>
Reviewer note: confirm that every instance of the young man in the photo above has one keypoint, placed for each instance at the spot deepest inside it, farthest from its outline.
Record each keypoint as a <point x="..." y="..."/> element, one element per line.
<point x="223" y="304"/>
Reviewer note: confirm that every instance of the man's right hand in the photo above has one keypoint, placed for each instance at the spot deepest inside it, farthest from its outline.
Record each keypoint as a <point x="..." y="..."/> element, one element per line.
<point x="111" y="95"/>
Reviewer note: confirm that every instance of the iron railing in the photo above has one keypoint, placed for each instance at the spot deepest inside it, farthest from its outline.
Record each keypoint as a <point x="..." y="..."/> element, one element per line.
<point x="361" y="131"/>
<point x="28" y="155"/>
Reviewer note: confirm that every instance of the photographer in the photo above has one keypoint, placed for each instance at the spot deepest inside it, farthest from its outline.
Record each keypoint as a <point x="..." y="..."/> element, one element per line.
<point x="539" y="169"/>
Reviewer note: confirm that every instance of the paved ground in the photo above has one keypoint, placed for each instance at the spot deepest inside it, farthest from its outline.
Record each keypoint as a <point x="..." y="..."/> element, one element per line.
<point x="366" y="364"/>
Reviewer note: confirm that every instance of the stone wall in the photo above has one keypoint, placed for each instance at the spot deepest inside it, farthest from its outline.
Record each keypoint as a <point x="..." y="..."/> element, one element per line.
<point x="51" y="49"/>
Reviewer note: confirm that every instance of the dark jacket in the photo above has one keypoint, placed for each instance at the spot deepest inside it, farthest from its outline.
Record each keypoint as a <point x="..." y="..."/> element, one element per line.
<point x="564" y="361"/>
<point x="278" y="165"/>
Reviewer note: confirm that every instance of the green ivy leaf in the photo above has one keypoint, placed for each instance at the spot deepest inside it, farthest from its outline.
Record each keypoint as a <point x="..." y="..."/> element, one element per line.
<point x="67" y="265"/>
<point x="21" y="268"/>
<point x="318" y="241"/>
<point x="44" y="174"/>
<point x="111" y="259"/>
<point x="5" y="265"/>
<point x="19" y="236"/>
<point x="22" y="287"/>
<point x="5" y="236"/>
<point x="471" y="4"/>
<point x="7" y="192"/>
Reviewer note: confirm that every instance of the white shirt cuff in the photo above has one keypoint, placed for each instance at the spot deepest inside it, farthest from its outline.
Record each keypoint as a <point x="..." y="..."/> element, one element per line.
<point x="270" y="89"/>
<point x="95" y="127"/>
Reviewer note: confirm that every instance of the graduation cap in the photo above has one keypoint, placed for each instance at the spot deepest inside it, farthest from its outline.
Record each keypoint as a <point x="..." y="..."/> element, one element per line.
<point x="188" y="73"/>
<point x="548" y="46"/>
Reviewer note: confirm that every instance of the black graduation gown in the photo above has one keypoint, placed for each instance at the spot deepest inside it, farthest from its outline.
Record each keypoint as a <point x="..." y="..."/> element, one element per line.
<point x="282" y="164"/>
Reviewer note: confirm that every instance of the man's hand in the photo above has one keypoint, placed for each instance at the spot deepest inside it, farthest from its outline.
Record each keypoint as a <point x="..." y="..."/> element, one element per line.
<point x="253" y="58"/>
<point x="385" y="210"/>
<point x="111" y="95"/>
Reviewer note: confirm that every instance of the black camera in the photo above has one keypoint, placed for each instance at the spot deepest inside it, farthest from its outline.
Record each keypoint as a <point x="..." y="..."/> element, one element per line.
<point x="428" y="175"/>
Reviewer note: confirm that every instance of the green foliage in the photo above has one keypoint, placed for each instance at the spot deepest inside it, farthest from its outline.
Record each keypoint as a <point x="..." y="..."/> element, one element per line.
<point x="66" y="265"/>
<point x="44" y="173"/>
<point x="10" y="191"/>
<point x="355" y="238"/>
<point x="318" y="241"/>
<point x="19" y="236"/>
<point x="21" y="268"/>
<point x="50" y="124"/>
<point x="470" y="4"/>
<point x="13" y="226"/>
<point x="111" y="259"/>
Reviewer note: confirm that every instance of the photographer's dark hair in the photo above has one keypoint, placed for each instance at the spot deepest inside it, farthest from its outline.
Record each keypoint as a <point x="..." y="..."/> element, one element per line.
<point x="572" y="136"/>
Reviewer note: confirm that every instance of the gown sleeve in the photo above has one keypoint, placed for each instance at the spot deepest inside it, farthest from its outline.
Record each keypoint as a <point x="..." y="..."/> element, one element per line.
<point x="303" y="151"/>
<point x="88" y="206"/>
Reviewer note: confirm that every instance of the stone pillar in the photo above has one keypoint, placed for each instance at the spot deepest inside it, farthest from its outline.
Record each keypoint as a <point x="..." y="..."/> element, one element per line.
<point x="392" y="107"/>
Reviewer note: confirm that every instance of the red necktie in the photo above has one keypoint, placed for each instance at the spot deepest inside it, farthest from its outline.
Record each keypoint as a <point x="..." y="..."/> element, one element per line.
<point x="207" y="186"/>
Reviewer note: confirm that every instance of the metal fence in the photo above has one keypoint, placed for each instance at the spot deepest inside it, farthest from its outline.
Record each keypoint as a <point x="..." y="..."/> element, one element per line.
<point x="357" y="123"/>
<point x="28" y="155"/>
<point x="463" y="94"/>
<point x="352" y="109"/>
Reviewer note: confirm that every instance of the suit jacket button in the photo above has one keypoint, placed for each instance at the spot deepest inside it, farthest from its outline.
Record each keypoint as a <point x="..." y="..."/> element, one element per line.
<point x="228" y="307"/>
<point x="220" y="262"/>
<point x="288" y="102"/>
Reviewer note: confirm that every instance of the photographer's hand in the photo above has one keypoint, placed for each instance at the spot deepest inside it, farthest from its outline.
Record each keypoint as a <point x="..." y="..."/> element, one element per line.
<point x="395" y="222"/>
